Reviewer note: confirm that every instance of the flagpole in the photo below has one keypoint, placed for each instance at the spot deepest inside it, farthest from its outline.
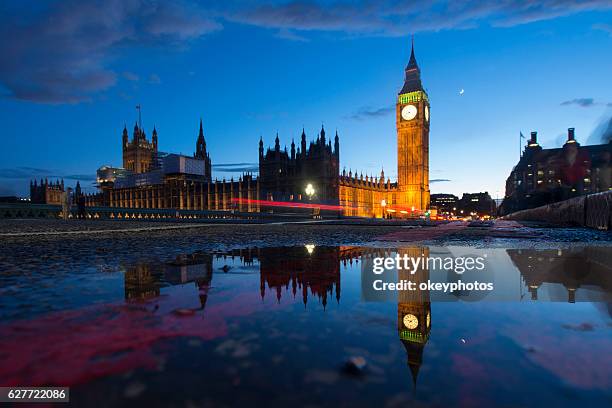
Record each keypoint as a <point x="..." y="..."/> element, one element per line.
<point x="139" y="116"/>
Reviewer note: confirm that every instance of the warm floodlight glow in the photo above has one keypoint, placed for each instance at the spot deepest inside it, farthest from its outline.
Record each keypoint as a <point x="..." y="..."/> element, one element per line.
<point x="310" y="190"/>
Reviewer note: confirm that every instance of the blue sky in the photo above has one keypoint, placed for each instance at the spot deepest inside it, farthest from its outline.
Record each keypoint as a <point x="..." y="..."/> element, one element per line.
<point x="72" y="72"/>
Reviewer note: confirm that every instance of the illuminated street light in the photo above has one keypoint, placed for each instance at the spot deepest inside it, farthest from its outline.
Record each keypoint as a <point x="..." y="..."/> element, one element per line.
<point x="310" y="191"/>
<point x="310" y="248"/>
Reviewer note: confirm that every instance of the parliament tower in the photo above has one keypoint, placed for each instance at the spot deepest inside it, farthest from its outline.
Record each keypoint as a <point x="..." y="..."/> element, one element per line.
<point x="414" y="312"/>
<point x="412" y="123"/>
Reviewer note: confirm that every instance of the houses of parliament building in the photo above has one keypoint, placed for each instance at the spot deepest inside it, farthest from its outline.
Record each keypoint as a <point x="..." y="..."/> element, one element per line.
<point x="153" y="179"/>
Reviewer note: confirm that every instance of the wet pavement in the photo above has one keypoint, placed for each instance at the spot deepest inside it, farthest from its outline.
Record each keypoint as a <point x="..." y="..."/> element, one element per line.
<point x="197" y="320"/>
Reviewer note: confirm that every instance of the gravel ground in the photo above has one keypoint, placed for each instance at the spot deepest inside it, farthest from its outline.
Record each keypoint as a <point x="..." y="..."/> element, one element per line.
<point x="180" y="238"/>
<point x="168" y="243"/>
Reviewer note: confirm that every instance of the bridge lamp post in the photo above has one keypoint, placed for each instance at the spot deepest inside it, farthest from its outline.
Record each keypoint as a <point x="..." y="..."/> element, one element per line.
<point x="310" y="191"/>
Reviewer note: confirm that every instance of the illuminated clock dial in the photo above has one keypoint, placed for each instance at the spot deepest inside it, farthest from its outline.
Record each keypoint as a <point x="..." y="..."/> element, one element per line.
<point x="427" y="113"/>
<point x="411" y="321"/>
<point x="409" y="112"/>
<point x="428" y="319"/>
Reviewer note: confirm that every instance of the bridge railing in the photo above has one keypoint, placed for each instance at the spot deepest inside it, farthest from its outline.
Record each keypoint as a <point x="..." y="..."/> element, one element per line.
<point x="28" y="210"/>
<point x="593" y="210"/>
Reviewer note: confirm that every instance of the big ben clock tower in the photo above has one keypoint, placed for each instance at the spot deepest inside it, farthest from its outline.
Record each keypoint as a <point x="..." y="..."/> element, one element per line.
<point x="412" y="122"/>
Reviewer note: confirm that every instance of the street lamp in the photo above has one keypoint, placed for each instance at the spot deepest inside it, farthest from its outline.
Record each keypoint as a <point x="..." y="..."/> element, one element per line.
<point x="310" y="191"/>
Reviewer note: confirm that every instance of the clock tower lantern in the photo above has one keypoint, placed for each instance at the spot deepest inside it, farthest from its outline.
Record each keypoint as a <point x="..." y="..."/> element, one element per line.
<point x="412" y="123"/>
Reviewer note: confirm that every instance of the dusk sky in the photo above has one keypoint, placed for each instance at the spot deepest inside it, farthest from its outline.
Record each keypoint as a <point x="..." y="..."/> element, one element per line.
<point x="72" y="72"/>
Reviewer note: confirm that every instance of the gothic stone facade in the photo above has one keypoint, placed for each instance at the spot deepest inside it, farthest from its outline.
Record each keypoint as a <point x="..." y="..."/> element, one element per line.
<point x="284" y="175"/>
<point x="46" y="192"/>
<point x="178" y="189"/>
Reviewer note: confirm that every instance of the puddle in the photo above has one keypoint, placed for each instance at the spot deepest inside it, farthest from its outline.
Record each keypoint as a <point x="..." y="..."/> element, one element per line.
<point x="295" y="325"/>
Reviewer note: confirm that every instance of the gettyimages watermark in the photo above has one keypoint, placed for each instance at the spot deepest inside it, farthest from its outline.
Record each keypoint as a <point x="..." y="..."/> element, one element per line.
<point x="454" y="273"/>
<point x="435" y="274"/>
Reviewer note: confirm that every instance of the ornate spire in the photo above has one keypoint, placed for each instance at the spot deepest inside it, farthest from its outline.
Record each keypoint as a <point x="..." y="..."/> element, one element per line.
<point x="201" y="134"/>
<point x="412" y="63"/>
<point x="154" y="138"/>
<point x="201" y="143"/>
<point x="412" y="82"/>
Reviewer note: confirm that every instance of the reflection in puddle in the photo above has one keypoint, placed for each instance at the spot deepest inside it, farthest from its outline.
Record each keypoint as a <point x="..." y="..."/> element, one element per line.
<point x="582" y="273"/>
<point x="281" y="318"/>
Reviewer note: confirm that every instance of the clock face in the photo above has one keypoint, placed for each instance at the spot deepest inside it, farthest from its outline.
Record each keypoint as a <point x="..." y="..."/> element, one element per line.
<point x="409" y="112"/>
<point x="411" y="321"/>
<point x="427" y="113"/>
<point x="428" y="319"/>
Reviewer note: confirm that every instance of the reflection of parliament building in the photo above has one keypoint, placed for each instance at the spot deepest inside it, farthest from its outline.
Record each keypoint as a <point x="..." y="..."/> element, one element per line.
<point x="150" y="179"/>
<point x="300" y="272"/>
<point x="573" y="269"/>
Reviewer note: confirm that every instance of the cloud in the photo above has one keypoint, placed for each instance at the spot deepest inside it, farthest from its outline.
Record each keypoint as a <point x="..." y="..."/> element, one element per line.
<point x="291" y="35"/>
<point x="393" y="18"/>
<point x="236" y="167"/>
<point x="130" y="76"/>
<point x="7" y="190"/>
<point x="603" y="27"/>
<point x="154" y="79"/>
<point x="31" y="173"/>
<point x="431" y="181"/>
<point x="582" y="102"/>
<point x="62" y="52"/>
<point x="85" y="177"/>
<point x="367" y="112"/>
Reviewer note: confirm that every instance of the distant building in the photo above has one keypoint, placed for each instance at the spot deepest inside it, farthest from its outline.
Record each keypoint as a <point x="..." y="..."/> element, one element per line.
<point x="446" y="204"/>
<point x="480" y="204"/>
<point x="46" y="192"/>
<point x="543" y="176"/>
<point x="475" y="204"/>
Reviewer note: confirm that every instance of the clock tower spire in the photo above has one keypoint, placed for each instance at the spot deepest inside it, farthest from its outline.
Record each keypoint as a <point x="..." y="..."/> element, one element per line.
<point x="412" y="124"/>
<point x="412" y="81"/>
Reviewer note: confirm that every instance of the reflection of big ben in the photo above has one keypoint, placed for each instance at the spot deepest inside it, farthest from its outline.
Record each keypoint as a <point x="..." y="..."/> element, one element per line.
<point x="412" y="122"/>
<point x="414" y="312"/>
